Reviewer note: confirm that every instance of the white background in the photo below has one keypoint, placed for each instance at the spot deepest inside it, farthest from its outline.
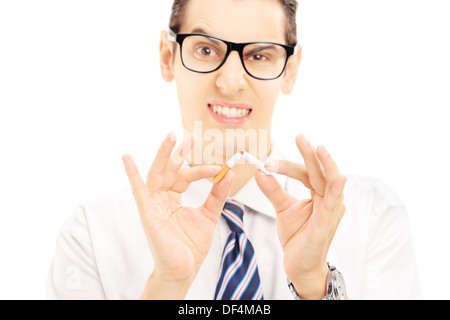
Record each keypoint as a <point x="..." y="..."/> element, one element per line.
<point x="80" y="86"/>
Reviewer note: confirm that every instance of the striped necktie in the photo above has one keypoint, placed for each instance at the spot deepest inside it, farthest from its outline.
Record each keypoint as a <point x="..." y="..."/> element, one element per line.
<point x="238" y="274"/>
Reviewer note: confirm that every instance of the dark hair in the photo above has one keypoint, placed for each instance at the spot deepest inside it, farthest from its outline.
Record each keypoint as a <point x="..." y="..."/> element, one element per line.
<point x="289" y="6"/>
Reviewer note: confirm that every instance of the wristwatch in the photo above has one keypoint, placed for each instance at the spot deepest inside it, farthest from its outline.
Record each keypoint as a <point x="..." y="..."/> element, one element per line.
<point x="335" y="286"/>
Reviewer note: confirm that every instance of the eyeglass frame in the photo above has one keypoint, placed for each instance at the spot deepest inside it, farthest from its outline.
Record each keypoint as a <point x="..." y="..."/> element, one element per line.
<point x="231" y="46"/>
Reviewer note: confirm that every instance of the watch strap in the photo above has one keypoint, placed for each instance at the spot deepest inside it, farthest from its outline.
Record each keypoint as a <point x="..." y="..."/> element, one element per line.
<point x="335" y="289"/>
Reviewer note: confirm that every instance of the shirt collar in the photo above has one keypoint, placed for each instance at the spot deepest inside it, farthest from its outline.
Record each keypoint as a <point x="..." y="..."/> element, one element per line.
<point x="249" y="195"/>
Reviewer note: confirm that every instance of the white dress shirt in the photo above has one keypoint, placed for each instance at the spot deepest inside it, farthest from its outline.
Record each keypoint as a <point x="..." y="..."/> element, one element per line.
<point x="102" y="252"/>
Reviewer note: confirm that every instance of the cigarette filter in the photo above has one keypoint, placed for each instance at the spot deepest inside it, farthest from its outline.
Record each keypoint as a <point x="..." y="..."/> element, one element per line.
<point x="230" y="164"/>
<point x="221" y="174"/>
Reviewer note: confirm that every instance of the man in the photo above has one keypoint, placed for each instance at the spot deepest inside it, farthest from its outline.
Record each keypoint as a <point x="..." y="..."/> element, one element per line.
<point x="230" y="60"/>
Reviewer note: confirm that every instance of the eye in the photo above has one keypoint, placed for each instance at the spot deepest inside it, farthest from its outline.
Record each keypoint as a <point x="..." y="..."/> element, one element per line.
<point x="258" y="57"/>
<point x="206" y="51"/>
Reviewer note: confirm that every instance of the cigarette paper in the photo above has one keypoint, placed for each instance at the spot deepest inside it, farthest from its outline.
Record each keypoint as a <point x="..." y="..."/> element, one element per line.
<point x="235" y="159"/>
<point x="259" y="164"/>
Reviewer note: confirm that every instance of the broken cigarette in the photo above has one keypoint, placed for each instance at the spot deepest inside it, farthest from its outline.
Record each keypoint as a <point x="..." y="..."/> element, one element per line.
<point x="235" y="159"/>
<point x="227" y="167"/>
<point x="259" y="164"/>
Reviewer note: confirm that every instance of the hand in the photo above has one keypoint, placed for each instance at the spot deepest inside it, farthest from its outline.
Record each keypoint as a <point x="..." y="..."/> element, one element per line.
<point x="179" y="237"/>
<point x="306" y="227"/>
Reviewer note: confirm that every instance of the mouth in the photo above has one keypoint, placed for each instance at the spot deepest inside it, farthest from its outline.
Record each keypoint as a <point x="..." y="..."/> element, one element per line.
<point x="229" y="114"/>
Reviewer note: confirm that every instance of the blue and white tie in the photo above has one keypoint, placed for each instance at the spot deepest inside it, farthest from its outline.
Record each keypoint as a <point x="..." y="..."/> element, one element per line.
<point x="238" y="275"/>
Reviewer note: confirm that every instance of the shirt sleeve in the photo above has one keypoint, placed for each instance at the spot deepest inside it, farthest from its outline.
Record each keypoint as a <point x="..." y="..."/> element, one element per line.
<point x="391" y="270"/>
<point x="73" y="272"/>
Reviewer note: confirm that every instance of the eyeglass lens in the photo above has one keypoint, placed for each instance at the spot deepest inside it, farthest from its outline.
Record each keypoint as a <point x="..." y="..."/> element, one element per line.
<point x="205" y="54"/>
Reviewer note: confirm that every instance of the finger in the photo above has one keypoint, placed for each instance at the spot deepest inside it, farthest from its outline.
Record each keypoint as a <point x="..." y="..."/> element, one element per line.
<point x="138" y="186"/>
<point x="215" y="201"/>
<point x="293" y="170"/>
<point x="335" y="181"/>
<point x="162" y="157"/>
<point x="335" y="194"/>
<point x="280" y="199"/>
<point x="313" y="166"/>
<point x="179" y="155"/>
<point x="329" y="165"/>
<point x="192" y="174"/>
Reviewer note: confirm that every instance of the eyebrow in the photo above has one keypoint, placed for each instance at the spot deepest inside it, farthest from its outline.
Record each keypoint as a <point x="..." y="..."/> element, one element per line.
<point x="259" y="49"/>
<point x="200" y="30"/>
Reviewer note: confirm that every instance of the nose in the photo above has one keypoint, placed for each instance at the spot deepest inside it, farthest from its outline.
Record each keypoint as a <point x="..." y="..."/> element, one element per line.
<point x="231" y="76"/>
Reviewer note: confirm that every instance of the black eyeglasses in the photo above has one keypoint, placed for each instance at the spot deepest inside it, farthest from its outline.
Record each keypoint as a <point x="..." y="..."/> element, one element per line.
<point x="205" y="54"/>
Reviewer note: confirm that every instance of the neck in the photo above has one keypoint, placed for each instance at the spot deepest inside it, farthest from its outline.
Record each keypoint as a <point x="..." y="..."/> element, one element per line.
<point x="242" y="174"/>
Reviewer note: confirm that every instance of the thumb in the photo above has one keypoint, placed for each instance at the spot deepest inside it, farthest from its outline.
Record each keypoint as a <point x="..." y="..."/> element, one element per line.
<point x="280" y="199"/>
<point x="216" y="199"/>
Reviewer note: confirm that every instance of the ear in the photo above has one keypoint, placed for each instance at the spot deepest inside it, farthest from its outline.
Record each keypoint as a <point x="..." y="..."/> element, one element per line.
<point x="290" y="74"/>
<point x="166" y="56"/>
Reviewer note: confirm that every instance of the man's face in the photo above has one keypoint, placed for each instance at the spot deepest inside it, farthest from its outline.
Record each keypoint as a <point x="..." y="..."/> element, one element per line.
<point x="204" y="97"/>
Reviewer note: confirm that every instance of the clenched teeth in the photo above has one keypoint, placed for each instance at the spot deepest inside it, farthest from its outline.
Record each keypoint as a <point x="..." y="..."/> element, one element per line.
<point x="230" y="112"/>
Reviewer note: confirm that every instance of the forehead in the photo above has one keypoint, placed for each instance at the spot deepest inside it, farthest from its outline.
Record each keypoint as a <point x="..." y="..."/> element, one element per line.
<point x="237" y="20"/>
